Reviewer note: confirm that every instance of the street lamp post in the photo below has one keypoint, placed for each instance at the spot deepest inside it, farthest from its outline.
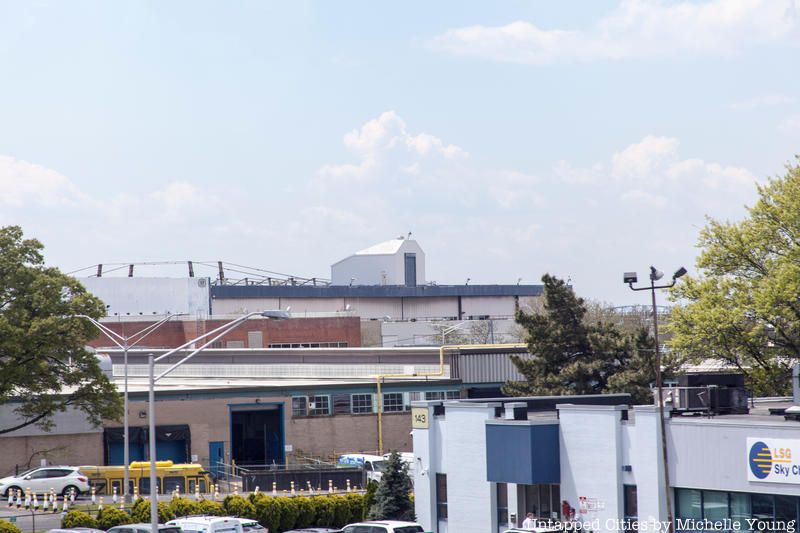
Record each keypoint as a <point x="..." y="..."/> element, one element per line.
<point x="126" y="342"/>
<point x="630" y="278"/>
<point x="217" y="334"/>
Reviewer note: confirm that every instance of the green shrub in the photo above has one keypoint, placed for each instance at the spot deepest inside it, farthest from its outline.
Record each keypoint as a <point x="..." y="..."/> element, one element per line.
<point x="8" y="527"/>
<point x="369" y="496"/>
<point x="78" y="519"/>
<point x="356" y="504"/>
<point x="306" y="516"/>
<point x="184" y="507"/>
<point x="289" y="512"/>
<point x="341" y="511"/>
<point x="210" y="507"/>
<point x="141" y="512"/>
<point x="268" y="511"/>
<point x="239" y="506"/>
<point x="325" y="511"/>
<point x="109" y="517"/>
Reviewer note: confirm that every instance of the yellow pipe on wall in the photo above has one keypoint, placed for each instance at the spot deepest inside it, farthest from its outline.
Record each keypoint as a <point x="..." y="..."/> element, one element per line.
<point x="379" y="378"/>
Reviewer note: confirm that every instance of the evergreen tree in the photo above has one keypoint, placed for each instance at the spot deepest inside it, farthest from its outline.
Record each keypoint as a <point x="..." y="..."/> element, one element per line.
<point x="571" y="355"/>
<point x="393" y="497"/>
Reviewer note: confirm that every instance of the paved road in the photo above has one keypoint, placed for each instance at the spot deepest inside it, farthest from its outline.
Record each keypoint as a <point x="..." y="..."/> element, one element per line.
<point x="26" y="520"/>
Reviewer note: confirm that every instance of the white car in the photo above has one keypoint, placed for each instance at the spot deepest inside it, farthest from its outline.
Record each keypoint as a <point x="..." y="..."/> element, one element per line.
<point x="208" y="524"/>
<point x="62" y="479"/>
<point x="384" y="526"/>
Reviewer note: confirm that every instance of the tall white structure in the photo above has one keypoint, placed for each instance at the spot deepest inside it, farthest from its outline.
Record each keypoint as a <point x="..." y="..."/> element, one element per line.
<point x="399" y="261"/>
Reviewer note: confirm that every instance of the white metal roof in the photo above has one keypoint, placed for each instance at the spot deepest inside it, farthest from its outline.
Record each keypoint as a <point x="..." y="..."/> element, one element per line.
<point x="383" y="248"/>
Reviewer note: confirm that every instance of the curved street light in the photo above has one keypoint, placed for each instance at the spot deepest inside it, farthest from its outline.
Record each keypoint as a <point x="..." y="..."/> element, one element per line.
<point x="217" y="333"/>
<point x="630" y="278"/>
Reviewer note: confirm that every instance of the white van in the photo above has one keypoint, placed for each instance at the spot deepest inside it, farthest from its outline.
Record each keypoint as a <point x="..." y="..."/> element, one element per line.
<point x="208" y="524"/>
<point x="373" y="464"/>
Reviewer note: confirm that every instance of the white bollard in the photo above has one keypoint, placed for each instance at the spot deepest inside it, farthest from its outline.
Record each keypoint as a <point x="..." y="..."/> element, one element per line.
<point x="45" y="502"/>
<point x="292" y="485"/>
<point x="35" y="502"/>
<point x="10" y="498"/>
<point x="94" y="497"/>
<point x="114" y="494"/>
<point x="100" y="505"/>
<point x="19" y="498"/>
<point x="274" y="488"/>
<point x="27" y="499"/>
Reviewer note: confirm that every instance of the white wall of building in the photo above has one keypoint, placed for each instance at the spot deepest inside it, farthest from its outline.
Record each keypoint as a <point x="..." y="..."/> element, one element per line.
<point x="382" y="264"/>
<point x="148" y="296"/>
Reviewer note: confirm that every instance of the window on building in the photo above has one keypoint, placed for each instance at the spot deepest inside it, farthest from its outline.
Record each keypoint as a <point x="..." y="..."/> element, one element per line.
<point x="319" y="405"/>
<point x="393" y="402"/>
<point x="441" y="496"/>
<point x="434" y="395"/>
<point x="502" y="504"/>
<point x="299" y="406"/>
<point x="715" y="505"/>
<point x="296" y="345"/>
<point x="738" y="506"/>
<point x="689" y="504"/>
<point x="453" y="395"/>
<point x="360" y="403"/>
<point x="630" y="505"/>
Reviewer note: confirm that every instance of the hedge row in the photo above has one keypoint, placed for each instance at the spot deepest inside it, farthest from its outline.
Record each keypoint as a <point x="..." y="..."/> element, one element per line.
<point x="8" y="527"/>
<point x="279" y="513"/>
<point x="282" y="513"/>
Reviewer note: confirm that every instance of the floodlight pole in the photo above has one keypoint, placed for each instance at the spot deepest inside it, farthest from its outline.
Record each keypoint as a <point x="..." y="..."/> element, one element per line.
<point x="124" y="342"/>
<point x="217" y="333"/>
<point x="654" y="276"/>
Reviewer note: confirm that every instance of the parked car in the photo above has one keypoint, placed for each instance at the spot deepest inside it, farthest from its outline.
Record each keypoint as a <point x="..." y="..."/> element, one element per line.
<point x="62" y="479"/>
<point x="251" y="526"/>
<point x="384" y="526"/>
<point x="210" y="524"/>
<point x="143" y="528"/>
<point x="314" y="530"/>
<point x="76" y="530"/>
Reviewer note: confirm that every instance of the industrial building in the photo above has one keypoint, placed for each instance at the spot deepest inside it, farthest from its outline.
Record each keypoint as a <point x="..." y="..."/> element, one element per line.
<point x="483" y="464"/>
<point x="384" y="285"/>
<point x="264" y="406"/>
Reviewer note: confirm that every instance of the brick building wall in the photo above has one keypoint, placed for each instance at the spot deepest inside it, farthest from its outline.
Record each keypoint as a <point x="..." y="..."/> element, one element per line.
<point x="295" y="330"/>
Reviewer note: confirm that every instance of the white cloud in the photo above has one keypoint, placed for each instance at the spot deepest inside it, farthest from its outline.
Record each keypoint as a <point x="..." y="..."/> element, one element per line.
<point x="791" y="123"/>
<point x="644" y="198"/>
<point x="764" y="100"/>
<point x="384" y="144"/>
<point x="636" y="28"/>
<point x="23" y="183"/>
<point x="639" y="160"/>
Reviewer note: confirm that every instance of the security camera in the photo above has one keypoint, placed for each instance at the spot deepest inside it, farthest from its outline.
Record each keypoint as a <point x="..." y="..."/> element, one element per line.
<point x="630" y="277"/>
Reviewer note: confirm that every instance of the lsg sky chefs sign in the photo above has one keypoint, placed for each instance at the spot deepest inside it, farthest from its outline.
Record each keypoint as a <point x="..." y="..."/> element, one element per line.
<point x="773" y="460"/>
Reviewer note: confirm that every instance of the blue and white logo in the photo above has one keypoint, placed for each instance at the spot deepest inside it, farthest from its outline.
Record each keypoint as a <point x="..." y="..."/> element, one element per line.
<point x="760" y="460"/>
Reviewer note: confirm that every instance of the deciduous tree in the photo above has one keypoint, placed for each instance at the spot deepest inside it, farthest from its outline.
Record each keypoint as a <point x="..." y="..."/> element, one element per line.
<point x="744" y="306"/>
<point x="44" y="366"/>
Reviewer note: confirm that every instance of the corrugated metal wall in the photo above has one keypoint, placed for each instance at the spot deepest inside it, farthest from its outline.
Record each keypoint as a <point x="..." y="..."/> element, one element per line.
<point x="486" y="367"/>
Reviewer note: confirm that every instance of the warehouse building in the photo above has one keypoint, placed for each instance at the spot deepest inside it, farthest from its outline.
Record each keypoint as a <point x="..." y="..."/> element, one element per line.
<point x="482" y="465"/>
<point x="264" y="406"/>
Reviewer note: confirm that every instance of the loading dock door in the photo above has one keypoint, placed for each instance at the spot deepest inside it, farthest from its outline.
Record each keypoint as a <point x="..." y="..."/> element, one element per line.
<point x="257" y="435"/>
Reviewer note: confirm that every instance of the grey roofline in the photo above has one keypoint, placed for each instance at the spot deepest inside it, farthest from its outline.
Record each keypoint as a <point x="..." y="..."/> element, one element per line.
<point x="371" y="291"/>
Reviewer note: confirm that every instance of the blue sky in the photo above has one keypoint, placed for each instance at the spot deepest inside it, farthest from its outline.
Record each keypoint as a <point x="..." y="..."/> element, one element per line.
<point x="578" y="138"/>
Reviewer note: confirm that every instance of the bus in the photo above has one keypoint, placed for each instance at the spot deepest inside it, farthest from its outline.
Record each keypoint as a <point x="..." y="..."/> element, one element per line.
<point x="169" y="476"/>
